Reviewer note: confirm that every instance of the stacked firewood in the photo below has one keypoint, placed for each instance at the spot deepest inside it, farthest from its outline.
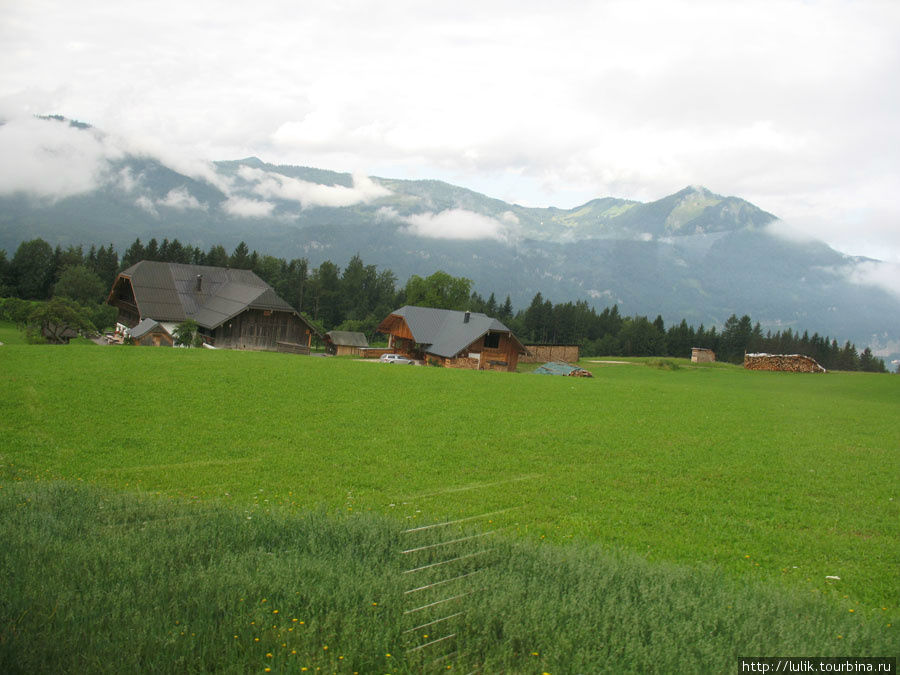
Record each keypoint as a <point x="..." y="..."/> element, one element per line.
<point x="791" y="363"/>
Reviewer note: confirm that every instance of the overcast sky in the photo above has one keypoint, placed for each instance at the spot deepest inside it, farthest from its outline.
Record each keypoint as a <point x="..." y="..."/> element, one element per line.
<point x="794" y="106"/>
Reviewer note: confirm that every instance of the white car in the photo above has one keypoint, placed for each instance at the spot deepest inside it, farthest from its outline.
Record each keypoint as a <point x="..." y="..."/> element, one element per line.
<point x="395" y="358"/>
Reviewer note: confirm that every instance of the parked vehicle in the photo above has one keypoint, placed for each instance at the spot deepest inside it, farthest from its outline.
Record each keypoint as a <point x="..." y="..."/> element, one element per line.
<point x="395" y="358"/>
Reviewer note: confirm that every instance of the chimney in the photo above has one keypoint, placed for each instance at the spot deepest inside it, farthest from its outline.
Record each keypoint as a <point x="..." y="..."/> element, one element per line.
<point x="199" y="283"/>
<point x="466" y="317"/>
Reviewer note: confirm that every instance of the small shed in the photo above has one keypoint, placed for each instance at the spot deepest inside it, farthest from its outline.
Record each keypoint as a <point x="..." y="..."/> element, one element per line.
<point x="560" y="368"/>
<point x="345" y="342"/>
<point x="702" y="355"/>
<point x="150" y="333"/>
<point x="58" y="333"/>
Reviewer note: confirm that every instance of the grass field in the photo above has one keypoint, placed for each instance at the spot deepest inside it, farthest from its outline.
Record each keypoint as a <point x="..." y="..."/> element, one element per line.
<point x="714" y="482"/>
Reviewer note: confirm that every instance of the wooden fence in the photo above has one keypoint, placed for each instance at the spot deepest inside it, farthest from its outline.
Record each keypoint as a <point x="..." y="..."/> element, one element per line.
<point x="545" y="353"/>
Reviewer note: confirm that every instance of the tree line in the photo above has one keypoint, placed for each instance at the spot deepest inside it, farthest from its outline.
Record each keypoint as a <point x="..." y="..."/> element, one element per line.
<point x="609" y="333"/>
<point x="359" y="296"/>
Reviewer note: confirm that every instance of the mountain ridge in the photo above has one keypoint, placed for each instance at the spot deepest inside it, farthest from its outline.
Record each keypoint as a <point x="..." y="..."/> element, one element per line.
<point x="694" y="254"/>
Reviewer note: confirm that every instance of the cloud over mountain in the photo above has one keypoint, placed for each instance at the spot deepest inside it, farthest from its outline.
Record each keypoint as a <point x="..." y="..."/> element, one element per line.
<point x="270" y="185"/>
<point x="455" y="223"/>
<point x="51" y="158"/>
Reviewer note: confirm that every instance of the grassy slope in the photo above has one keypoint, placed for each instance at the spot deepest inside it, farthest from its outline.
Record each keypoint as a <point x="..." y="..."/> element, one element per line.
<point x="766" y="477"/>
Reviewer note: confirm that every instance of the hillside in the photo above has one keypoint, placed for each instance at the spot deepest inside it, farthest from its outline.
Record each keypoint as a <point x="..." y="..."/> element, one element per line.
<point x="694" y="254"/>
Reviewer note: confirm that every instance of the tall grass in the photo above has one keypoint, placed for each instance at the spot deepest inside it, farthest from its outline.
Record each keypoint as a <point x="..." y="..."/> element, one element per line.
<point x="772" y="476"/>
<point x="714" y="482"/>
<point x="103" y="581"/>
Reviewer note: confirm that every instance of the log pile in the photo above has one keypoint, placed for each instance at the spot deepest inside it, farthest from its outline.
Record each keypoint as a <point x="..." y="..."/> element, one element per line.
<point x="790" y="363"/>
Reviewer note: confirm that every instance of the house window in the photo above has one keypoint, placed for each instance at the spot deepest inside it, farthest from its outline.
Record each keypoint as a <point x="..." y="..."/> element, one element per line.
<point x="492" y="341"/>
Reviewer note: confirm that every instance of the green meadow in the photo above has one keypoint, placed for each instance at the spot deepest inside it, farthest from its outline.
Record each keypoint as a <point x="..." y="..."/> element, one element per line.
<point x="656" y="516"/>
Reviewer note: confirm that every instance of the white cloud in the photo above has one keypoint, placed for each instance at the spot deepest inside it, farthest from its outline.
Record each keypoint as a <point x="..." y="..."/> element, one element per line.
<point x="883" y="275"/>
<point x="786" y="104"/>
<point x="248" y="208"/>
<point x="182" y="200"/>
<point x="126" y="180"/>
<point x="509" y="218"/>
<point x="789" y="232"/>
<point x="147" y="204"/>
<point x="51" y="159"/>
<point x="456" y="224"/>
<point x="270" y="185"/>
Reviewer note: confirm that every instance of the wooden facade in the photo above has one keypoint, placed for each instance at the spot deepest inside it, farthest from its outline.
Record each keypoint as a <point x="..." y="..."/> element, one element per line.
<point x="122" y="298"/>
<point x="260" y="329"/>
<point x="158" y="337"/>
<point x="504" y="356"/>
<point x="545" y="353"/>
<point x="452" y="339"/>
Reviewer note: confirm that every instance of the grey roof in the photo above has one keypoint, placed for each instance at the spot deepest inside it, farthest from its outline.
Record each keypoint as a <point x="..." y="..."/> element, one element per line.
<point x="346" y="338"/>
<point x="168" y="292"/>
<point x="445" y="332"/>
<point x="144" y="327"/>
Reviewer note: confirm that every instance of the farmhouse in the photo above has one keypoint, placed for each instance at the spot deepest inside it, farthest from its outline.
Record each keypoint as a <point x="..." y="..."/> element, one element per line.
<point x="234" y="309"/>
<point x="345" y="342"/>
<point x="452" y="339"/>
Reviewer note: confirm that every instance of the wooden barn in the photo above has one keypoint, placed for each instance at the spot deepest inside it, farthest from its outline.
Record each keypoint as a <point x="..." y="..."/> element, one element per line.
<point x="345" y="342"/>
<point x="234" y="309"/>
<point x="452" y="339"/>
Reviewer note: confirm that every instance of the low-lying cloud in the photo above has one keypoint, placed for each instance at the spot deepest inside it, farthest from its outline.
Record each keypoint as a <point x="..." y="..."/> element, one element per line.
<point x="51" y="159"/>
<point x="248" y="208"/>
<point x="181" y="200"/>
<point x="456" y="224"/>
<point x="271" y="185"/>
<point x="883" y="275"/>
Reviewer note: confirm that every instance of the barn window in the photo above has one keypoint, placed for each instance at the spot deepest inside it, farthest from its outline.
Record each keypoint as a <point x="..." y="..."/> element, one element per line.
<point x="492" y="340"/>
